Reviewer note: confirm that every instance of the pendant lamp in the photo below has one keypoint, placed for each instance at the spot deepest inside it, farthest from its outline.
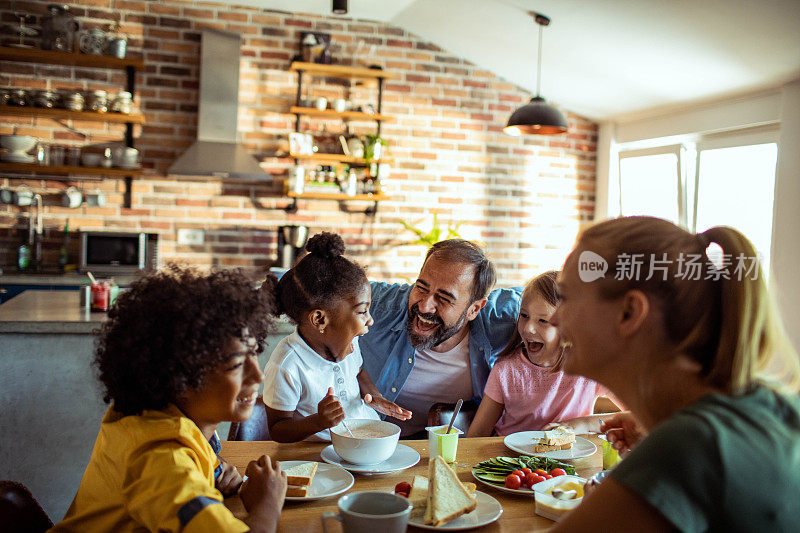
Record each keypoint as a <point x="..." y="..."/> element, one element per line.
<point x="339" y="7"/>
<point x="537" y="117"/>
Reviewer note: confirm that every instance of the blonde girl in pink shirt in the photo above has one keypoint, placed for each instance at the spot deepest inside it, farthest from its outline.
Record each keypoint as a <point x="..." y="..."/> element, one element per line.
<point x="526" y="389"/>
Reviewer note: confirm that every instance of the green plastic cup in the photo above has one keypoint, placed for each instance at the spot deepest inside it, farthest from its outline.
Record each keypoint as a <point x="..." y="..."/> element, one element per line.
<point x="444" y="444"/>
<point x="610" y="455"/>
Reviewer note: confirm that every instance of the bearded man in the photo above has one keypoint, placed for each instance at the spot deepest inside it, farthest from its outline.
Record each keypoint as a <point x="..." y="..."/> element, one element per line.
<point x="436" y="340"/>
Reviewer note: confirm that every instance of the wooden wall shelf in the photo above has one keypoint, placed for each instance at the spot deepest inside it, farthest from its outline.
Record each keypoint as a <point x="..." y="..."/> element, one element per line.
<point x="66" y="114"/>
<point x="67" y="170"/>
<point x="340" y="71"/>
<point x="346" y="115"/>
<point x="54" y="57"/>
<point x="337" y="196"/>
<point x="340" y="158"/>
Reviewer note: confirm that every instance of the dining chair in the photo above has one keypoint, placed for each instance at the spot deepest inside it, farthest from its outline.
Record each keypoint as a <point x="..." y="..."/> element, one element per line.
<point x="19" y="510"/>
<point x="440" y="414"/>
<point x="255" y="427"/>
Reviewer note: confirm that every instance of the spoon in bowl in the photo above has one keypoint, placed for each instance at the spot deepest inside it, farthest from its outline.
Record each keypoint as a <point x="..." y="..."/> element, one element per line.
<point x="348" y="429"/>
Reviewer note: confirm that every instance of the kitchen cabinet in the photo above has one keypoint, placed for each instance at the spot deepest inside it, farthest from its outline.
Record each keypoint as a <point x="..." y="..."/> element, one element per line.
<point x="365" y="75"/>
<point x="52" y="57"/>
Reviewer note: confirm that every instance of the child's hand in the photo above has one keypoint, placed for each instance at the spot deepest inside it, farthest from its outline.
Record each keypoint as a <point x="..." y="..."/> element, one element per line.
<point x="329" y="410"/>
<point x="384" y="406"/>
<point x="265" y="489"/>
<point x="229" y="480"/>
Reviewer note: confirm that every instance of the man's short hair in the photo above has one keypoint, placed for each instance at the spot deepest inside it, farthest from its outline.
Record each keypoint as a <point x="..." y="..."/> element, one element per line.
<point x="466" y="252"/>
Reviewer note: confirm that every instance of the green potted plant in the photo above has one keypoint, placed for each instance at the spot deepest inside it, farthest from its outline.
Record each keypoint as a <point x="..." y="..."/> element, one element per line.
<point x="374" y="147"/>
<point x="433" y="236"/>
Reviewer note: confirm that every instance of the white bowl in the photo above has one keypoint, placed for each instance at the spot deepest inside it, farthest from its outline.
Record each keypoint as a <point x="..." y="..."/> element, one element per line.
<point x="17" y="143"/>
<point x="374" y="441"/>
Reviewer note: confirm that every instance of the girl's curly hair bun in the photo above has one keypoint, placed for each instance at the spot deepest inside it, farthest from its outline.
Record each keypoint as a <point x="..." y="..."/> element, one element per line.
<point x="326" y="244"/>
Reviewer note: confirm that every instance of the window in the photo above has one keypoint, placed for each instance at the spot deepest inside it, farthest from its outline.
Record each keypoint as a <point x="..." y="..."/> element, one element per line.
<point x="650" y="183"/>
<point x="718" y="180"/>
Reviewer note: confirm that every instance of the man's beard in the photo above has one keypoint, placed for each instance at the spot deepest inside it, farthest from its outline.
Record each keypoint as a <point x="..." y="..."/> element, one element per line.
<point x="439" y="335"/>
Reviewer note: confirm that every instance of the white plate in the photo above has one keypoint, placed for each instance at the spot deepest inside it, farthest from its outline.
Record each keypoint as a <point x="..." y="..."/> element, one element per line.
<point x="329" y="480"/>
<point x="402" y="458"/>
<point x="524" y="442"/>
<point x="499" y="486"/>
<point x="11" y="157"/>
<point x="487" y="511"/>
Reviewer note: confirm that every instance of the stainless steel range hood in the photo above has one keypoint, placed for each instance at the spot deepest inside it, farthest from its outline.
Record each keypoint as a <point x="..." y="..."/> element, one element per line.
<point x="216" y="151"/>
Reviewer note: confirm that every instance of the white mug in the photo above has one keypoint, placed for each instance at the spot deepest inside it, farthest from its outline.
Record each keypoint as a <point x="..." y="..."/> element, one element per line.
<point x="340" y="105"/>
<point x="96" y="199"/>
<point x="72" y="197"/>
<point x="321" y="103"/>
<point x="371" y="512"/>
<point x="23" y="196"/>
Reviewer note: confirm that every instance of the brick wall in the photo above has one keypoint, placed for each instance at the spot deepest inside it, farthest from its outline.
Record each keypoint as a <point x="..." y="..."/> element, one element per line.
<point x="523" y="197"/>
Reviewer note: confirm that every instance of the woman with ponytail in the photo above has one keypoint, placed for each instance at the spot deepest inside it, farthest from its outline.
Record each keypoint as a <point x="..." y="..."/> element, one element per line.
<point x="690" y="340"/>
<point x="313" y="378"/>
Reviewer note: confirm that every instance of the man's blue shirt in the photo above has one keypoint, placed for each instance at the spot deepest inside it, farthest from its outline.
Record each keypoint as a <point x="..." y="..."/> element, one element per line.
<point x="389" y="356"/>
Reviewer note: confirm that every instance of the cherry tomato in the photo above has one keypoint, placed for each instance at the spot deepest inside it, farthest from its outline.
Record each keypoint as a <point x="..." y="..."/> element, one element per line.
<point x="403" y="488"/>
<point x="531" y="479"/>
<point x="558" y="472"/>
<point x="548" y="476"/>
<point x="519" y="473"/>
<point x="540" y="472"/>
<point x="526" y="471"/>
<point x="513" y="481"/>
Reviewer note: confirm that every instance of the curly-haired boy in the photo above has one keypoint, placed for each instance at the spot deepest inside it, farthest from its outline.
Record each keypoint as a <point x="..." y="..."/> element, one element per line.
<point x="177" y="356"/>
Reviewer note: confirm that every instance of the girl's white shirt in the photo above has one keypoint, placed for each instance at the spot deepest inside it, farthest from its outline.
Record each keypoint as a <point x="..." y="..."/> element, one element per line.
<point x="296" y="378"/>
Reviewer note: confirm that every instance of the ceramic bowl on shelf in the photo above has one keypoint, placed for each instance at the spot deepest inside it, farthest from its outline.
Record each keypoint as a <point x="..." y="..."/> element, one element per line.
<point x="17" y="143"/>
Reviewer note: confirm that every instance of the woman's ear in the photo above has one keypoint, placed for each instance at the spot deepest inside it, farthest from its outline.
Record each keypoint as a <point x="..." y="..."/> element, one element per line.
<point x="635" y="309"/>
<point x="318" y="319"/>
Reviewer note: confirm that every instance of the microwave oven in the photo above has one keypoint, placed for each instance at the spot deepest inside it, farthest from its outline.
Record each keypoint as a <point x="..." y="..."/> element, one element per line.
<point x="109" y="253"/>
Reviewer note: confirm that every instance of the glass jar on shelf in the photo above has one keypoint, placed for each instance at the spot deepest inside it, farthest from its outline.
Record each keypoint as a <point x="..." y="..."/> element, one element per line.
<point x="97" y="101"/>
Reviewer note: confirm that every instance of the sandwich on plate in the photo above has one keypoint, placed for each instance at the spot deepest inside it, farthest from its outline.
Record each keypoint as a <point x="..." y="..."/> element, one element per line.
<point x="447" y="497"/>
<point x="560" y="438"/>
<point x="299" y="478"/>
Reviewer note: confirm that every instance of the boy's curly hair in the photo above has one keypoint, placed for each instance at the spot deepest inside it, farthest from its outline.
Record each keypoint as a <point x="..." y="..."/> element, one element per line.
<point x="171" y="328"/>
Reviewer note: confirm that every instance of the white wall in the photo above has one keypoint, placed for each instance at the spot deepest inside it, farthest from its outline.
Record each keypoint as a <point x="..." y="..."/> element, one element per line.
<point x="780" y="107"/>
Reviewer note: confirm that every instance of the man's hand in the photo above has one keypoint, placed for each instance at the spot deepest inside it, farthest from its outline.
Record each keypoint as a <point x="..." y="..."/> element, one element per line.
<point x="229" y="480"/>
<point x="265" y="489"/>
<point x="329" y="411"/>
<point x="623" y="431"/>
<point x="384" y="406"/>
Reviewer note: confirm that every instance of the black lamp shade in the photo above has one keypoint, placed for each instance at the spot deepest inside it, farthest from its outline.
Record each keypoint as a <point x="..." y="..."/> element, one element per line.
<point x="340" y="7"/>
<point x="536" y="117"/>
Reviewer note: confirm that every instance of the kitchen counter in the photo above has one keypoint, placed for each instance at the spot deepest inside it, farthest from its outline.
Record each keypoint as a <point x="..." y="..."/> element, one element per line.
<point x="53" y="278"/>
<point x="48" y="312"/>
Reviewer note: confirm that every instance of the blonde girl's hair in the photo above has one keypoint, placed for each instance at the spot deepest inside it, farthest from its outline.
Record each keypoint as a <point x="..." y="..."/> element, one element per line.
<point x="546" y="286"/>
<point x="724" y="317"/>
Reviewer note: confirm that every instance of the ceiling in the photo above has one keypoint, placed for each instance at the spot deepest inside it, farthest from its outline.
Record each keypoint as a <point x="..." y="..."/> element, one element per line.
<point x="604" y="59"/>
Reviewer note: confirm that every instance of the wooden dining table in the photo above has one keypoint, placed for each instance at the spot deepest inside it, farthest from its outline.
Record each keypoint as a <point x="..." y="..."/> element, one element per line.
<point x="300" y="517"/>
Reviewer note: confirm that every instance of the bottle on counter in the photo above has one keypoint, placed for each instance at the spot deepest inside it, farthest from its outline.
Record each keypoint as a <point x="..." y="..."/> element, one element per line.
<point x="24" y="256"/>
<point x="63" y="253"/>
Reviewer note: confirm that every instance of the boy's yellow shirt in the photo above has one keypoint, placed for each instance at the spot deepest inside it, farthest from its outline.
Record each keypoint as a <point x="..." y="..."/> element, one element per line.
<point x="149" y="472"/>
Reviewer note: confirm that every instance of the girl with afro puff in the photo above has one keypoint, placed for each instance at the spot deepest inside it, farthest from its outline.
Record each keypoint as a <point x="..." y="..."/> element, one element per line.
<point x="177" y="356"/>
<point x="314" y="376"/>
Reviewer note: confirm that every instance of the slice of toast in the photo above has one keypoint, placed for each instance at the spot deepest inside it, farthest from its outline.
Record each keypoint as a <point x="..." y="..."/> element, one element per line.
<point x="539" y="448"/>
<point x="418" y="496"/>
<point x="294" y="490"/>
<point x="301" y="475"/>
<point x="447" y="497"/>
